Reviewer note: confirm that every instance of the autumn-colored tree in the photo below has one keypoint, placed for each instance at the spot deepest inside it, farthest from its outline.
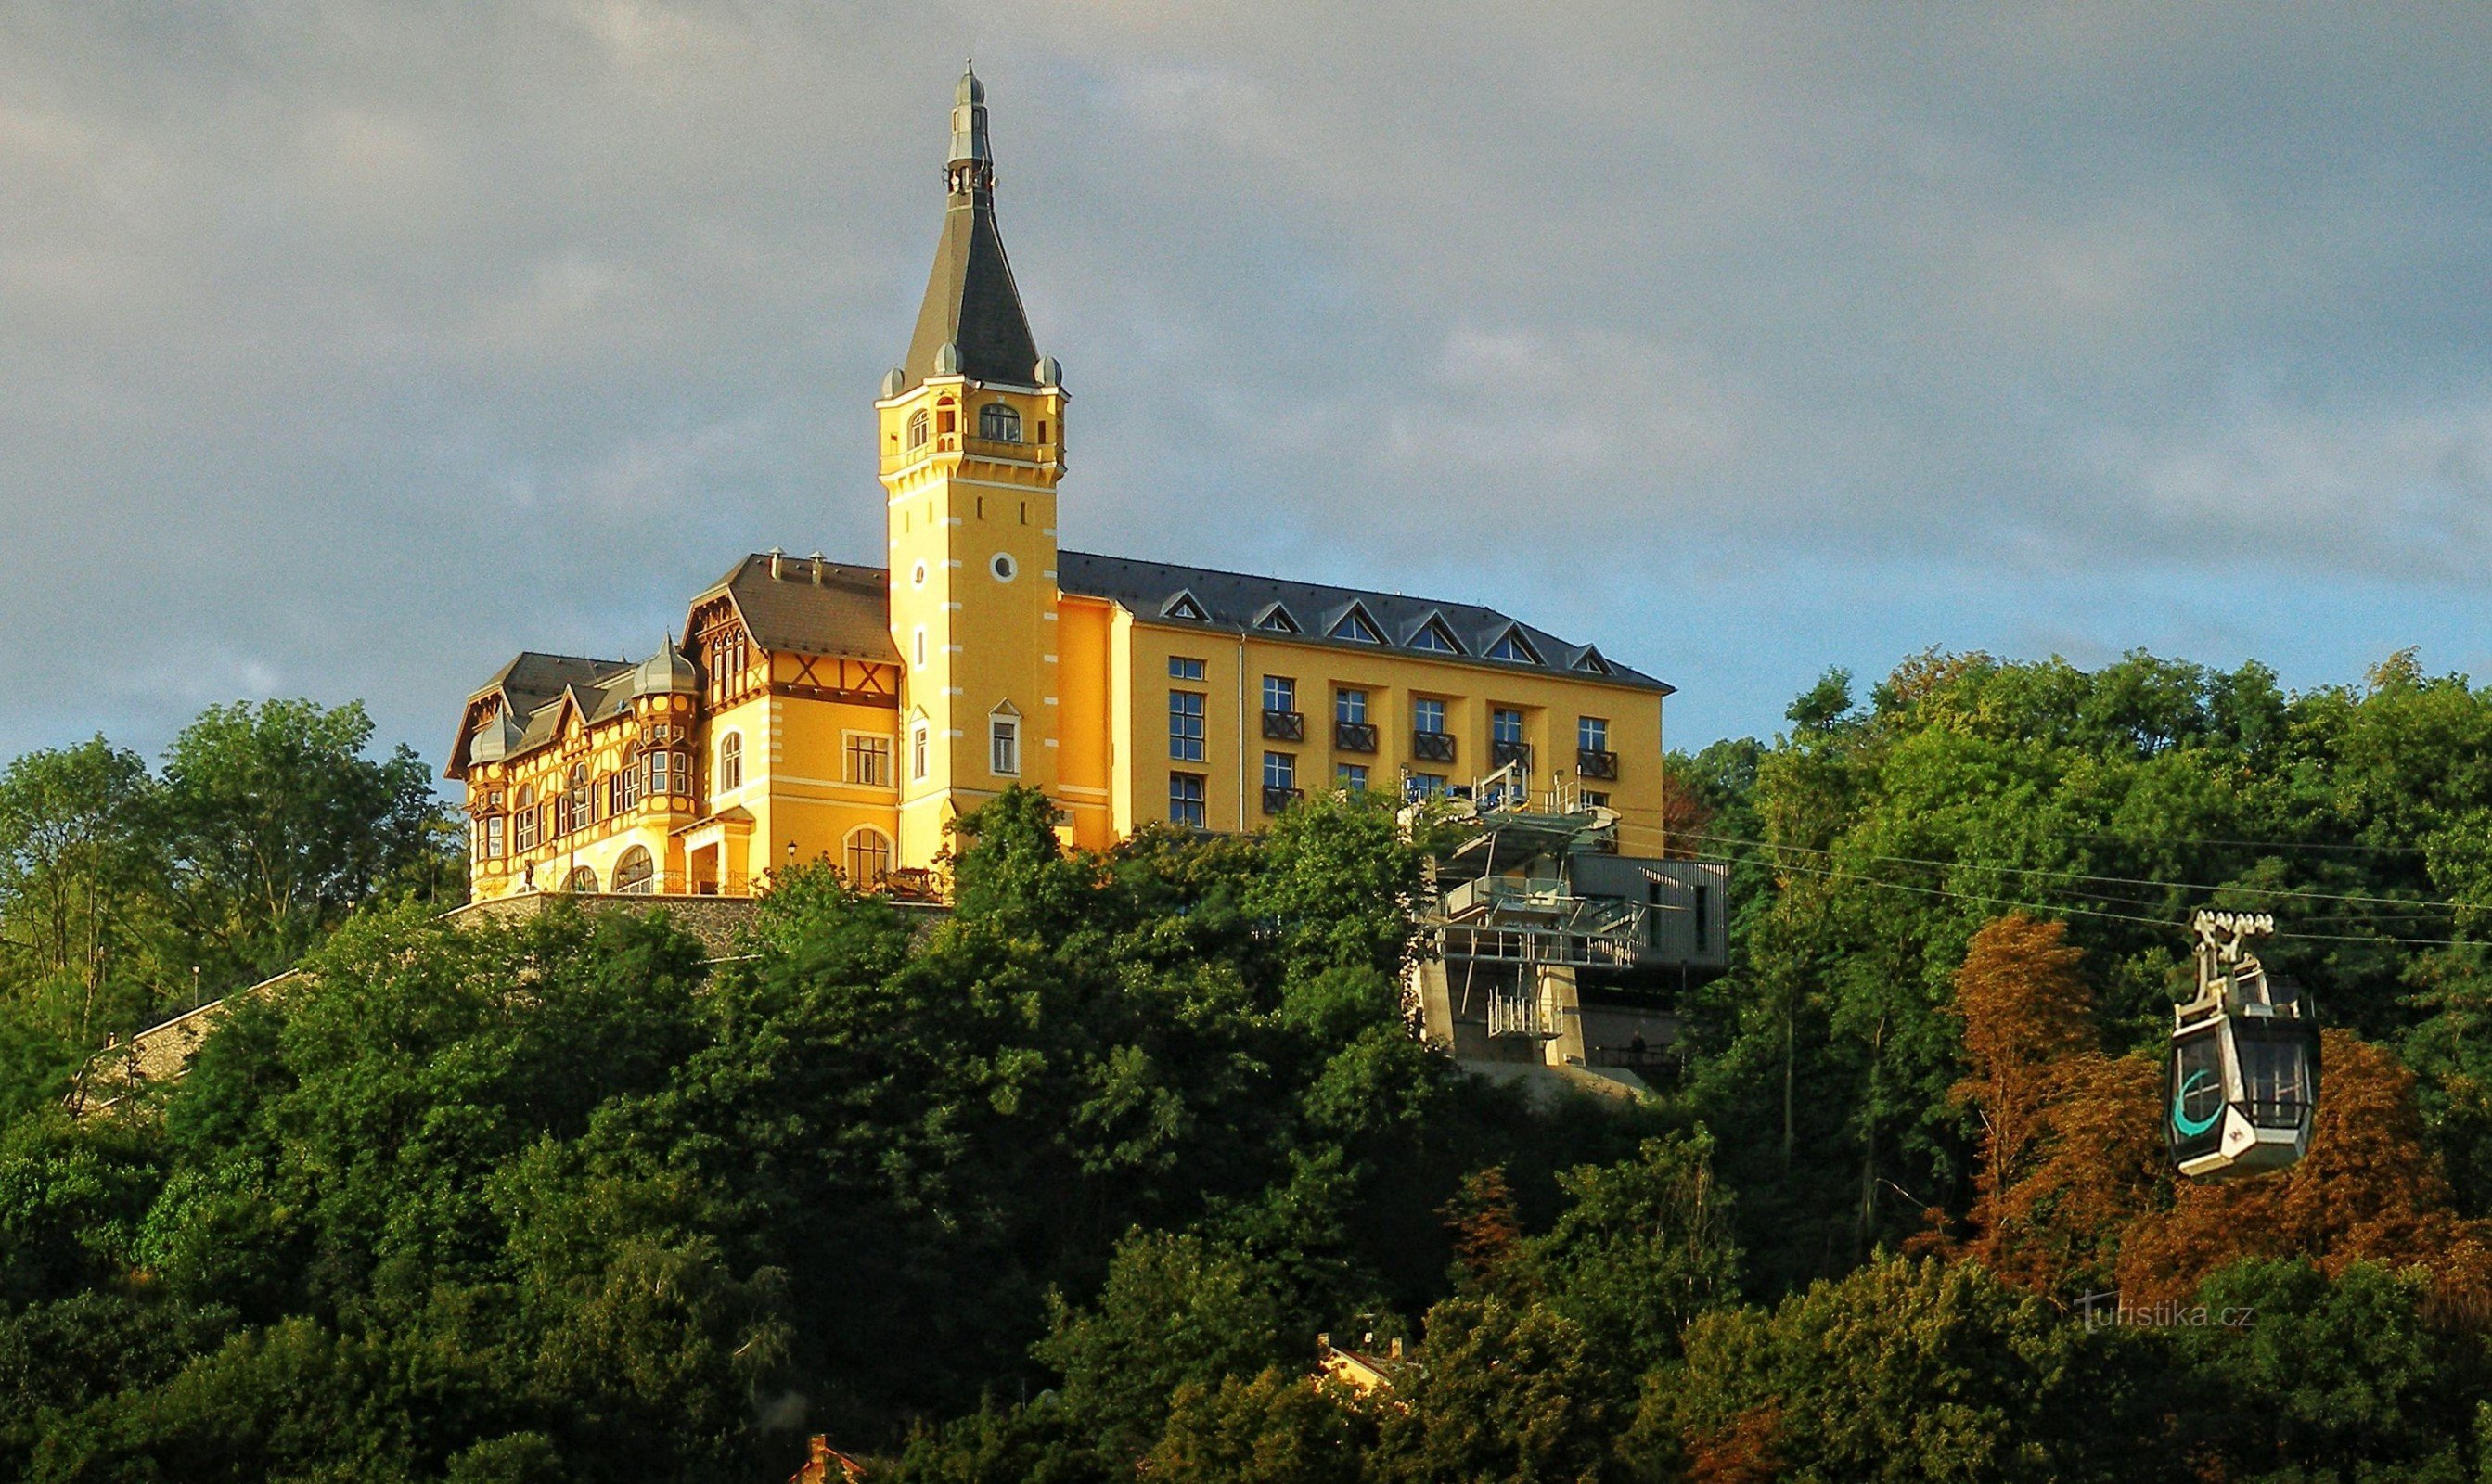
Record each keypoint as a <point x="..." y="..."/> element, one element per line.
<point x="2097" y="1161"/>
<point x="1488" y="1233"/>
<point x="2025" y="1013"/>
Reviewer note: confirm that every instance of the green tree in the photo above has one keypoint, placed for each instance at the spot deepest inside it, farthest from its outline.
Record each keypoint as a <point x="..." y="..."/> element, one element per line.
<point x="281" y="823"/>
<point x="1175" y="1311"/>
<point x="1642" y="1247"/>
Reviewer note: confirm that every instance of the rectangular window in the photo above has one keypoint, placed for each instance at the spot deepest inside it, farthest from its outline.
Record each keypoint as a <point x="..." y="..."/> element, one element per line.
<point x="523" y="829"/>
<point x="1422" y="784"/>
<point x="1428" y="717"/>
<point x="869" y="760"/>
<point x="1280" y="694"/>
<point x="1593" y="798"/>
<point x="1704" y="909"/>
<point x="493" y="837"/>
<point x="658" y="786"/>
<point x="920" y="661"/>
<point x="1185" y="726"/>
<point x="1185" y="799"/>
<point x="1182" y="668"/>
<point x="1349" y="707"/>
<point x="627" y="791"/>
<point x="1352" y="776"/>
<point x="1592" y="734"/>
<point x="917" y="751"/>
<point x="1003" y="749"/>
<point x="1280" y="770"/>
<point x="1506" y="724"/>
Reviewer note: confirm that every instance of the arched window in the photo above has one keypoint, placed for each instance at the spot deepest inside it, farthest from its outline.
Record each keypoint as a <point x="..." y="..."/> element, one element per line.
<point x="918" y="429"/>
<point x="634" y="873"/>
<point x="581" y="879"/>
<point x="868" y="857"/>
<point x="523" y="822"/>
<point x="730" y="762"/>
<point x="998" y="423"/>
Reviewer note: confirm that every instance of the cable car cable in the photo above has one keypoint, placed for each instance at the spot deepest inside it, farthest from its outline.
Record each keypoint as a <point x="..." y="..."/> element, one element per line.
<point x="2079" y="876"/>
<point x="1830" y="873"/>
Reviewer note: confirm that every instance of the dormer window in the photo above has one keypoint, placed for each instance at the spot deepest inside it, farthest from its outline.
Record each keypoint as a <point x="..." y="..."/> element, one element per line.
<point x="918" y="429"/>
<point x="1435" y="640"/>
<point x="1183" y="605"/>
<point x="1277" y="620"/>
<point x="1512" y="647"/>
<point x="1591" y="662"/>
<point x="1356" y="627"/>
<point x="998" y="423"/>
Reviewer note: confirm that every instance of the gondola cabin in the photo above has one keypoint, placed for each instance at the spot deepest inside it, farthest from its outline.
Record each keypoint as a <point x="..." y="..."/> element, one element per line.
<point x="2242" y="1084"/>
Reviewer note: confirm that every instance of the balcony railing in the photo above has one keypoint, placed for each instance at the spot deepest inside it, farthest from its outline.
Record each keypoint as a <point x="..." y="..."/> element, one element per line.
<point x="1499" y="753"/>
<point x="1276" y="799"/>
<point x="1433" y="746"/>
<point x="1285" y="725"/>
<point x="1353" y="736"/>
<point x="1596" y="762"/>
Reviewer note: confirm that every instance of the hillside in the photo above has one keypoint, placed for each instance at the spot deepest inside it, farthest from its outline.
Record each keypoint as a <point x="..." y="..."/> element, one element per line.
<point x="1070" y="1184"/>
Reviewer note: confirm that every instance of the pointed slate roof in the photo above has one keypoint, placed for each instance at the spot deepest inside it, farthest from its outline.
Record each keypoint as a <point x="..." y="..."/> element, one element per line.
<point x="971" y="303"/>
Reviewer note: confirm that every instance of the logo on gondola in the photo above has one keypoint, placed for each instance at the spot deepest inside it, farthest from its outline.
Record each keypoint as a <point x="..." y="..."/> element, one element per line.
<point x="2188" y="1127"/>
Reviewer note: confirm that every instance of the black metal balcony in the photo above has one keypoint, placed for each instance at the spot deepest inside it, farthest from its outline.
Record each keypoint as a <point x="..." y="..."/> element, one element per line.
<point x="1499" y="753"/>
<point x="1285" y="725"/>
<point x="1432" y="746"/>
<point x="1277" y="799"/>
<point x="1353" y="736"/>
<point x="1596" y="762"/>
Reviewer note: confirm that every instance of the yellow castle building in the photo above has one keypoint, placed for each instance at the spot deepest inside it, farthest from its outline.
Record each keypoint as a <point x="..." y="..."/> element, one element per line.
<point x="817" y="710"/>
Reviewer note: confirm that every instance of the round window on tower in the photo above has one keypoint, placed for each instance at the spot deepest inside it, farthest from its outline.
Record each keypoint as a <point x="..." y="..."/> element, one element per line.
<point x="917" y="575"/>
<point x="1003" y="567"/>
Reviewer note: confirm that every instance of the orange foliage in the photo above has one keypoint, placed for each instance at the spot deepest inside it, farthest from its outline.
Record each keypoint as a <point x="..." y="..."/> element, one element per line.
<point x="1742" y="1453"/>
<point x="1486" y="1228"/>
<point x="2025" y="1013"/>
<point x="2099" y="1160"/>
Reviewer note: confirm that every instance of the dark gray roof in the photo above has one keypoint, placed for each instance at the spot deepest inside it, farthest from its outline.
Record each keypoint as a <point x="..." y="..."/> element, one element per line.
<point x="1231" y="601"/>
<point x="972" y="303"/>
<point x="531" y="688"/>
<point x="813" y="607"/>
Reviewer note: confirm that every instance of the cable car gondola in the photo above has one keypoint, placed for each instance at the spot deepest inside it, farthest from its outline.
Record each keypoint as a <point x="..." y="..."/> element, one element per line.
<point x="2240" y="1087"/>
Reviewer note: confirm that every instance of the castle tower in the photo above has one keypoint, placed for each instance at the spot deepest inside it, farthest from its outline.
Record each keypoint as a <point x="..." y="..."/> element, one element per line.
<point x="971" y="437"/>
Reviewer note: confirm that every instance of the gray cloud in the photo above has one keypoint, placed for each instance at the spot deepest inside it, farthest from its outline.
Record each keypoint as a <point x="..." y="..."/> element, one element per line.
<point x="348" y="346"/>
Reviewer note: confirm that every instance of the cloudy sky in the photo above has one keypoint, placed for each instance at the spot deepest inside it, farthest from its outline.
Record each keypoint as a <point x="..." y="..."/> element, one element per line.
<point x="347" y="348"/>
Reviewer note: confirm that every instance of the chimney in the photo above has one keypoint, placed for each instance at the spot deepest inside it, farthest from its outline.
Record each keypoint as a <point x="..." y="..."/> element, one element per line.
<point x="776" y="556"/>
<point x="816" y="560"/>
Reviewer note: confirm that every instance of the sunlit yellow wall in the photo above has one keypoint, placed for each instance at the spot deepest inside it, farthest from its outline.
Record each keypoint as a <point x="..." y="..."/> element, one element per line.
<point x="972" y="641"/>
<point x="1085" y="765"/>
<point x="1234" y="668"/>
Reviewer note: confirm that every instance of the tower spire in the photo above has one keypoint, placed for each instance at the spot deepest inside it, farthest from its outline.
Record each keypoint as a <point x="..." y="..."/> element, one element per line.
<point x="972" y="323"/>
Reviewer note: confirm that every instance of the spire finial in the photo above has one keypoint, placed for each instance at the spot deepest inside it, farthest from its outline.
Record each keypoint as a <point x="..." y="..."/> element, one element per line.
<point x="971" y="166"/>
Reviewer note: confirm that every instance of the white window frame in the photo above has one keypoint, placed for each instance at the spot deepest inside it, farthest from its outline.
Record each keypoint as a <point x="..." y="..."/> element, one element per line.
<point x="1003" y="741"/>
